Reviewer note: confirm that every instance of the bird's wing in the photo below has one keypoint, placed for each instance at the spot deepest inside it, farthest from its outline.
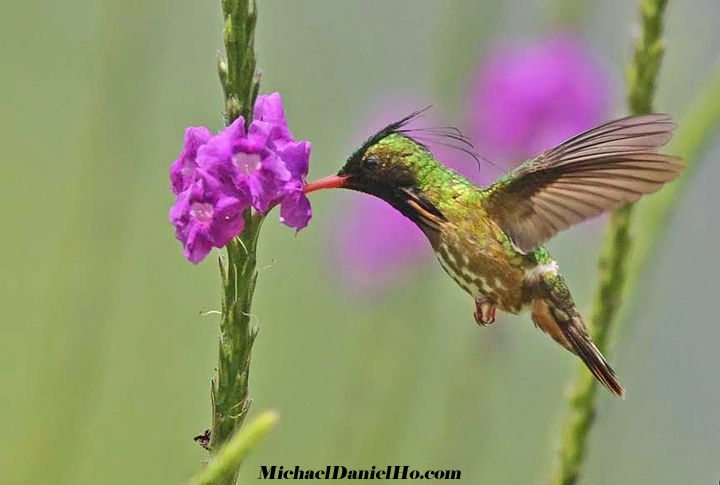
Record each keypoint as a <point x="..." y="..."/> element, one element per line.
<point x="593" y="172"/>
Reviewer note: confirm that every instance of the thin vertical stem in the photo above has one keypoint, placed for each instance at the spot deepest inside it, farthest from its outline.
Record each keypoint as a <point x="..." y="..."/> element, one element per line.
<point x="695" y="129"/>
<point x="237" y="335"/>
<point x="227" y="461"/>
<point x="642" y="75"/>
<point x="238" y="73"/>
<point x="230" y="399"/>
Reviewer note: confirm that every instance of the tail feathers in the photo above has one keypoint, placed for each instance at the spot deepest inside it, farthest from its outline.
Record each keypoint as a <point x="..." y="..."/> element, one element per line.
<point x="583" y="347"/>
<point x="555" y="313"/>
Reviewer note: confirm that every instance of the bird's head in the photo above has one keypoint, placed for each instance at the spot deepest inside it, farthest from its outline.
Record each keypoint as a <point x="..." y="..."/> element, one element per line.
<point x="386" y="163"/>
<point x="394" y="167"/>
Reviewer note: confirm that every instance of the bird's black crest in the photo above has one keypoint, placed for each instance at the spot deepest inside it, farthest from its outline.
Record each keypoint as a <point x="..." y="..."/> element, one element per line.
<point x="448" y="136"/>
<point x="392" y="128"/>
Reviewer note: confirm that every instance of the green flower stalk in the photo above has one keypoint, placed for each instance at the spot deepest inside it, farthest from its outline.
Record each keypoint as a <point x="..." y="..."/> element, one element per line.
<point x="696" y="128"/>
<point x="230" y="400"/>
<point x="614" y="259"/>
<point x="225" y="185"/>
<point x="230" y="396"/>
<point x="238" y="75"/>
<point x="229" y="458"/>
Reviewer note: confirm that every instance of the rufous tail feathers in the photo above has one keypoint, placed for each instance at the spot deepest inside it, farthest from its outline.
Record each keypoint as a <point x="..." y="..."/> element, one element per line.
<point x="555" y="313"/>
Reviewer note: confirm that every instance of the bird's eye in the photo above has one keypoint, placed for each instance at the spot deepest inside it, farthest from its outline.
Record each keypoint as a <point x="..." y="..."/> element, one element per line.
<point x="372" y="163"/>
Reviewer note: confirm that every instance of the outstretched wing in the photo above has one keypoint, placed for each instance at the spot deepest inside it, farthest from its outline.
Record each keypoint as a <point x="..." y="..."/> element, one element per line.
<point x="593" y="172"/>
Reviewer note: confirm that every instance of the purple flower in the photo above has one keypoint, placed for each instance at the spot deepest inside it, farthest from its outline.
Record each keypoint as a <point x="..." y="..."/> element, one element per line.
<point x="265" y="159"/>
<point x="269" y="110"/>
<point x="527" y="98"/>
<point x="216" y="178"/>
<point x="375" y="246"/>
<point x="245" y="160"/>
<point x="294" y="206"/>
<point x="182" y="170"/>
<point x="206" y="216"/>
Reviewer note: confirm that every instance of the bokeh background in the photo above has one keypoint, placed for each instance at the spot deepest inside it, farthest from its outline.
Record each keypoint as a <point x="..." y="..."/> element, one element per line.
<point x="106" y="357"/>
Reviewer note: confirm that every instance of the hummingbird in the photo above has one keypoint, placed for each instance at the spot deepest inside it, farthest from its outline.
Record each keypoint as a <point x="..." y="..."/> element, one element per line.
<point x="489" y="240"/>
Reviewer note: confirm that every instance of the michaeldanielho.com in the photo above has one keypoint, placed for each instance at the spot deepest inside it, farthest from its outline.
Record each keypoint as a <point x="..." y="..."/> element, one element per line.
<point x="339" y="472"/>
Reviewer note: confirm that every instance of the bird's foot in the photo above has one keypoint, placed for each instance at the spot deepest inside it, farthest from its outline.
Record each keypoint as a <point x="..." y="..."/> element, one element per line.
<point x="485" y="311"/>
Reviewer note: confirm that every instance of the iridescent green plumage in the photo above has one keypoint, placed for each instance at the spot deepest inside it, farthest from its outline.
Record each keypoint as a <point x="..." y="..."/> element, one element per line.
<point x="489" y="240"/>
<point x="471" y="246"/>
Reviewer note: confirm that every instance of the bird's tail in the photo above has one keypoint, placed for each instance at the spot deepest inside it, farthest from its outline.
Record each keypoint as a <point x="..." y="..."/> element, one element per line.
<point x="555" y="313"/>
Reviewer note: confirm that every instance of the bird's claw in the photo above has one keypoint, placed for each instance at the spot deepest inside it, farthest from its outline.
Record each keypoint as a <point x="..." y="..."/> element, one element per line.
<point x="485" y="311"/>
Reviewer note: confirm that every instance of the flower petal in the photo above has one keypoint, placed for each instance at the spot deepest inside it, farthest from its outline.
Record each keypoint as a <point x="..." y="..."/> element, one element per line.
<point x="197" y="245"/>
<point x="228" y="220"/>
<point x="258" y="135"/>
<point x="296" y="156"/>
<point x="295" y="210"/>
<point x="205" y="216"/>
<point x="277" y="166"/>
<point x="269" y="108"/>
<point x="216" y="158"/>
<point x="179" y="212"/>
<point x="264" y="188"/>
<point x="182" y="170"/>
<point x="231" y="134"/>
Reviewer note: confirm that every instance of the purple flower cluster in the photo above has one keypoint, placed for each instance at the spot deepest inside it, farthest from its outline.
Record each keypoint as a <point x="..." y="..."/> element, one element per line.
<point x="217" y="177"/>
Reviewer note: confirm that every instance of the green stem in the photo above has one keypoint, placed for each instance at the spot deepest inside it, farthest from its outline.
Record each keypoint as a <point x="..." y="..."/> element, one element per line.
<point x="237" y="334"/>
<point x="695" y="128"/>
<point x="230" y="399"/>
<point x="226" y="462"/>
<point x="613" y="262"/>
<point x="238" y="75"/>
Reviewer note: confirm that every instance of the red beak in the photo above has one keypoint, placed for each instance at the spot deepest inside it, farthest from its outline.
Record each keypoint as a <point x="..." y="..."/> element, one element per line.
<point x="331" y="182"/>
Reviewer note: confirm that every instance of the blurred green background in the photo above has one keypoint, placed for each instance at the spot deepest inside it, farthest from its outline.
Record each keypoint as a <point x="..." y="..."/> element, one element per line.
<point x="106" y="359"/>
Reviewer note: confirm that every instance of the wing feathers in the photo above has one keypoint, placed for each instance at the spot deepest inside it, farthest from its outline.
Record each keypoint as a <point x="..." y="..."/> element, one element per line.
<point x="596" y="171"/>
<point x="648" y="131"/>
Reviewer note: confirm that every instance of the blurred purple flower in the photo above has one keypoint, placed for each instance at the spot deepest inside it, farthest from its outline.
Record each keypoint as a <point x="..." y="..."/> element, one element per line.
<point x="527" y="98"/>
<point x="375" y="245"/>
<point x="216" y="178"/>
